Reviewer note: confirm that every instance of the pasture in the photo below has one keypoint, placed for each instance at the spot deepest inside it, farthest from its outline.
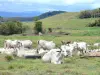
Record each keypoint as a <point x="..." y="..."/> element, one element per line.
<point x="66" y="22"/>
<point x="71" y="66"/>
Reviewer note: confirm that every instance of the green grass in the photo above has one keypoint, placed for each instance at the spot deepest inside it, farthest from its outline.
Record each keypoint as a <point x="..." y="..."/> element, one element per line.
<point x="71" y="66"/>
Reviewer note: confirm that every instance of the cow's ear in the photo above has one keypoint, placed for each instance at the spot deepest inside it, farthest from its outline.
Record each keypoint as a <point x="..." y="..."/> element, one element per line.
<point x="62" y="42"/>
<point x="60" y="48"/>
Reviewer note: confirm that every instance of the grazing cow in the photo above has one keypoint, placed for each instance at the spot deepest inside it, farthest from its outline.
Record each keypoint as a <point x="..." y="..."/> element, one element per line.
<point x="11" y="44"/>
<point x="81" y="46"/>
<point x="54" y="56"/>
<point x="46" y="45"/>
<point x="26" y="44"/>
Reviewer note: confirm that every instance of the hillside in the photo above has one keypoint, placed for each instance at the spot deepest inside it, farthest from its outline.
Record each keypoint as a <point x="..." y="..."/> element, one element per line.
<point x="66" y="20"/>
<point x="69" y="22"/>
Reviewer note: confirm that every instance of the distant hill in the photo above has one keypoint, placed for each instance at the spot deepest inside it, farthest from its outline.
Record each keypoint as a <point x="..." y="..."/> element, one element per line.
<point x="50" y="13"/>
<point x="27" y="16"/>
<point x="23" y="19"/>
<point x="19" y="14"/>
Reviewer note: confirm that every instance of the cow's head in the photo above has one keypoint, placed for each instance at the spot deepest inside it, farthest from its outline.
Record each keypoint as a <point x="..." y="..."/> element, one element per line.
<point x="64" y="51"/>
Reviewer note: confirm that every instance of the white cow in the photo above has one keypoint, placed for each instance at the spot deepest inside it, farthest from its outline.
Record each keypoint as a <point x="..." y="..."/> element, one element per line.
<point x="42" y="51"/>
<point x="2" y="50"/>
<point x="96" y="44"/>
<point x="26" y="44"/>
<point x="54" y="56"/>
<point x="8" y="44"/>
<point x="10" y="51"/>
<point x="24" y="52"/>
<point x="70" y="49"/>
<point x="81" y="46"/>
<point x="48" y="45"/>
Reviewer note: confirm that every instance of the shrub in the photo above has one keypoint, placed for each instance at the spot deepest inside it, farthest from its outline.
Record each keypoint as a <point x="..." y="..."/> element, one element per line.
<point x="94" y="24"/>
<point x="8" y="57"/>
<point x="50" y="30"/>
<point x="11" y="67"/>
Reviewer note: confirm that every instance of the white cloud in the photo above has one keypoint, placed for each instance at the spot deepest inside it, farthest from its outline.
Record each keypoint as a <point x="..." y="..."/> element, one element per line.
<point x="47" y="5"/>
<point x="71" y="2"/>
<point x="51" y="2"/>
<point x="96" y="5"/>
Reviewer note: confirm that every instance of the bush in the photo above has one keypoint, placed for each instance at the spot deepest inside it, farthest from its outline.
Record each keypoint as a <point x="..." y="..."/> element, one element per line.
<point x="50" y="30"/>
<point x="94" y="24"/>
<point x="12" y="27"/>
<point x="11" y="67"/>
<point x="8" y="57"/>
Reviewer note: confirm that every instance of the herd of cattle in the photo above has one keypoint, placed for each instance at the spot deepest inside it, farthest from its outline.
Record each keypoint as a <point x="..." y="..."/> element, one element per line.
<point x="47" y="50"/>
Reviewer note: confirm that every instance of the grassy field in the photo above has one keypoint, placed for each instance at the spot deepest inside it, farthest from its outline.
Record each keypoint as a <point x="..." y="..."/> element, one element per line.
<point x="66" y="22"/>
<point x="71" y="66"/>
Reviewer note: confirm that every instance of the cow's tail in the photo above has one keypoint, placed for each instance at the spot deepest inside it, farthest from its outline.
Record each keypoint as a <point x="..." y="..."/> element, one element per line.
<point x="5" y="45"/>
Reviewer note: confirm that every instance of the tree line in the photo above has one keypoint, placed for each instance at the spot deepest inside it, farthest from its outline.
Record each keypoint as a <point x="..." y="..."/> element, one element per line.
<point x="12" y="27"/>
<point x="90" y="13"/>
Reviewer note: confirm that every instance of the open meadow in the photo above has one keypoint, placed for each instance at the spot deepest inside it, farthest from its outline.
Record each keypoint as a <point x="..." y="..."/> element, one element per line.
<point x="66" y="22"/>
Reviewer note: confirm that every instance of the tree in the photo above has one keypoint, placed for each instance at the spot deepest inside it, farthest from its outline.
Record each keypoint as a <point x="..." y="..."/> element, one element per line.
<point x="36" y="18"/>
<point x="85" y="14"/>
<point x="1" y="19"/>
<point x="90" y="13"/>
<point x="38" y="27"/>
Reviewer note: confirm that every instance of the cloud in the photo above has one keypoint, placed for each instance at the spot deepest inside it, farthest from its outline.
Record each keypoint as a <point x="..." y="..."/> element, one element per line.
<point x="96" y="5"/>
<point x="50" y="2"/>
<point x="47" y="5"/>
<point x="71" y="2"/>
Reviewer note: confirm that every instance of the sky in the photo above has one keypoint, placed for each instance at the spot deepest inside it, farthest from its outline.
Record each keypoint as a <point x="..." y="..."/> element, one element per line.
<point x="48" y="5"/>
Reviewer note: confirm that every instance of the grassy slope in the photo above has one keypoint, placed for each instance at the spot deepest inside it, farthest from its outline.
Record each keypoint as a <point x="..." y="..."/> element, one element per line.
<point x="69" y="22"/>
